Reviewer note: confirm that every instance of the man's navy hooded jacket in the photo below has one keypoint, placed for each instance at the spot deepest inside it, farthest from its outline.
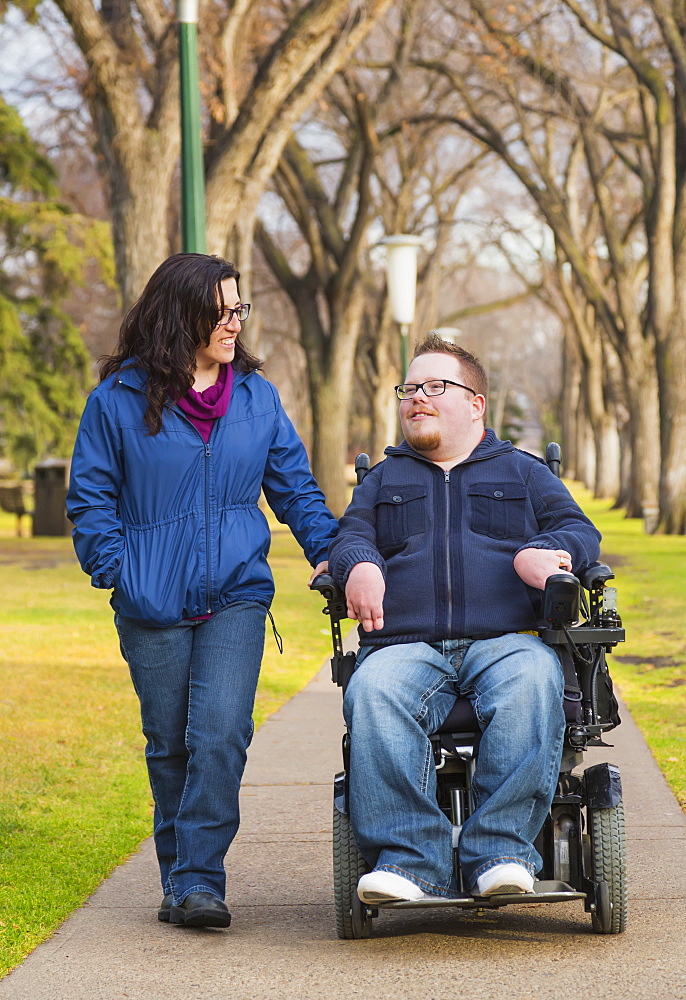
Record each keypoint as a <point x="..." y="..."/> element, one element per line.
<point x="445" y="541"/>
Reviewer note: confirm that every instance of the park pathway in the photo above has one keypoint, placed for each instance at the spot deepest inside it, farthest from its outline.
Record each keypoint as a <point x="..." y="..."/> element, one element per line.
<point x="282" y="943"/>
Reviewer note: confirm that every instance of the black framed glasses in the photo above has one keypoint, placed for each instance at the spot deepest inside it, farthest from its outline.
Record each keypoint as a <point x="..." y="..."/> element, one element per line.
<point x="242" y="312"/>
<point x="435" y="387"/>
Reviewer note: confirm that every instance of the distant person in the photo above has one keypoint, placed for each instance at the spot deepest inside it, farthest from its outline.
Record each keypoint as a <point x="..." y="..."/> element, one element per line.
<point x="443" y="553"/>
<point x="174" y="447"/>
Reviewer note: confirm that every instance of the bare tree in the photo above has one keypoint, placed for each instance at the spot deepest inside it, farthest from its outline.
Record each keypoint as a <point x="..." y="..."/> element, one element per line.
<point x="329" y="293"/>
<point x="513" y="96"/>
<point x="261" y="69"/>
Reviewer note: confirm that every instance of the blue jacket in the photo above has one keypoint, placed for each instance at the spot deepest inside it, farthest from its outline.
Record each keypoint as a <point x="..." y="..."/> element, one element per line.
<point x="445" y="541"/>
<point x="173" y="524"/>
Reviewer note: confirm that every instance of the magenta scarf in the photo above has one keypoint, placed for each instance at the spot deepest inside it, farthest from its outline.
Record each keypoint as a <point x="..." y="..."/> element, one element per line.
<point x="203" y="408"/>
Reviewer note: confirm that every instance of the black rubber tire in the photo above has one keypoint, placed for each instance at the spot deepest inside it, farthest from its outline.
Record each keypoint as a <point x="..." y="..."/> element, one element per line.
<point x="608" y="859"/>
<point x="352" y="918"/>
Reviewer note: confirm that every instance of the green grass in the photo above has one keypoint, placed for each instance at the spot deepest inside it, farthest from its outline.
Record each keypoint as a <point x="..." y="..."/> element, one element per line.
<point x="75" y="796"/>
<point x="651" y="582"/>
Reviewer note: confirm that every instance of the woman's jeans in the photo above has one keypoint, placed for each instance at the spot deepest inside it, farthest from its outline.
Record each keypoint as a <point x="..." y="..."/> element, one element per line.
<point x="399" y="695"/>
<point x="196" y="684"/>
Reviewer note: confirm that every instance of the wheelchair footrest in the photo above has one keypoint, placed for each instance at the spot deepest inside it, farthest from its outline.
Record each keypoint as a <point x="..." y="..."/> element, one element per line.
<point x="544" y="892"/>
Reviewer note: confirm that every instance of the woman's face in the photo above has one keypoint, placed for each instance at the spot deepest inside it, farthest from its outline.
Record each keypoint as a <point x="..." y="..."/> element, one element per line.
<point x="222" y="345"/>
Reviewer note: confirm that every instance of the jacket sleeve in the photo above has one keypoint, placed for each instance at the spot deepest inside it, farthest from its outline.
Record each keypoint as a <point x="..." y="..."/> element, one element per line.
<point x="94" y="486"/>
<point x="292" y="492"/>
<point x="562" y="523"/>
<point x="356" y="539"/>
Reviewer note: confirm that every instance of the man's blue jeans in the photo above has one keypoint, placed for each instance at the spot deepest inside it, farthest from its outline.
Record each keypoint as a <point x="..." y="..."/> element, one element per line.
<point x="196" y="684"/>
<point x="399" y="695"/>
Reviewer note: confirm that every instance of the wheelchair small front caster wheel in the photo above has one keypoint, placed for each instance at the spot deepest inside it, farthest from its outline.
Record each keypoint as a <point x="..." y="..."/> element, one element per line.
<point x="602" y="915"/>
<point x="360" y="919"/>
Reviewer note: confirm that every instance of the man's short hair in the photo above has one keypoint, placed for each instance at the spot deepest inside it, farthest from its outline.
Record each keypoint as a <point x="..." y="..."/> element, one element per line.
<point x="473" y="371"/>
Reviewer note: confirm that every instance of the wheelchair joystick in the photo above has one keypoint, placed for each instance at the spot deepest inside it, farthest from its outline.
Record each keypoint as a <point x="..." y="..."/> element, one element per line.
<point x="561" y="600"/>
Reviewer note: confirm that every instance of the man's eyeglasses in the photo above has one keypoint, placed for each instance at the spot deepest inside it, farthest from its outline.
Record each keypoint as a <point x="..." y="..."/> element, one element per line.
<point x="242" y="312"/>
<point x="436" y="387"/>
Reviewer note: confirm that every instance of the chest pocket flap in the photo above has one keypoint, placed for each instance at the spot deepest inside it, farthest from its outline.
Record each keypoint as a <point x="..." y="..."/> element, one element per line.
<point x="498" y="509"/>
<point x="400" y="513"/>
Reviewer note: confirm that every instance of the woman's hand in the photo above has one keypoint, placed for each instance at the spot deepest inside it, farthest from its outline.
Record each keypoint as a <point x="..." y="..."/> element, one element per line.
<point x="364" y="593"/>
<point x="322" y="567"/>
<point x="534" y="566"/>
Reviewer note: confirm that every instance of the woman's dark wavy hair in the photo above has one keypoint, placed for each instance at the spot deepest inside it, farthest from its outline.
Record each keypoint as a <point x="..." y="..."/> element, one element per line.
<point x="176" y="313"/>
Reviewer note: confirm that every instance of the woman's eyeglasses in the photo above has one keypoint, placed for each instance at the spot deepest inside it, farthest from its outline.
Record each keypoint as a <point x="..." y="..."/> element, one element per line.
<point x="241" y="312"/>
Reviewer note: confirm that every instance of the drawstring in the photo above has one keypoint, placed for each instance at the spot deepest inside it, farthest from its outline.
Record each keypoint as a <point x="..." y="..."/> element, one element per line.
<point x="277" y="637"/>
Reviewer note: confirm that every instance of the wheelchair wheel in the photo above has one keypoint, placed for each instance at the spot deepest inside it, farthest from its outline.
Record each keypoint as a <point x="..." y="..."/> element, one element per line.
<point x="353" y="919"/>
<point x="608" y="860"/>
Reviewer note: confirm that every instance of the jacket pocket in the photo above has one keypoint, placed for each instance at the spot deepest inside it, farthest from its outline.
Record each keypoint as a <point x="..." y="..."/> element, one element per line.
<point x="400" y="513"/>
<point x="498" y="509"/>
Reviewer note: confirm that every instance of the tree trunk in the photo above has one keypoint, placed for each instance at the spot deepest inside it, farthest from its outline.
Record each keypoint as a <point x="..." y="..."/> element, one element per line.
<point x="585" y="449"/>
<point x="644" y="428"/>
<point x="672" y="380"/>
<point x="606" y="440"/>
<point x="331" y="382"/>
<point x="139" y="223"/>
<point x="603" y="429"/>
<point x="330" y="441"/>
<point x="625" y="464"/>
<point x="571" y="380"/>
<point x="671" y="373"/>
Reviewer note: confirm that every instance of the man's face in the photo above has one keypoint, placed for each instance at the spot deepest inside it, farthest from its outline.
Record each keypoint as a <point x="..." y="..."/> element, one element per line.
<point x="441" y="426"/>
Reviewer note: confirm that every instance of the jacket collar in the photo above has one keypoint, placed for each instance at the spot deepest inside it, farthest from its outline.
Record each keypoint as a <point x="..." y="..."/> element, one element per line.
<point x="488" y="447"/>
<point x="132" y="375"/>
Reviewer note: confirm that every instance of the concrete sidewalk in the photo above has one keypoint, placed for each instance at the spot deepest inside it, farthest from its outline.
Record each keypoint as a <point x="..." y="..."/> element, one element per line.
<point x="282" y="942"/>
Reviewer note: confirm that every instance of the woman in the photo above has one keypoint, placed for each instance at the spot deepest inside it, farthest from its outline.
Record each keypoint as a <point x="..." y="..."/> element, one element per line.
<point x="174" y="446"/>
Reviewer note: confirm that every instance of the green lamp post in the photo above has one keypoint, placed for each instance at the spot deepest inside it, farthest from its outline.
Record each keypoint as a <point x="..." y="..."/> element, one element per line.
<point x="192" y="171"/>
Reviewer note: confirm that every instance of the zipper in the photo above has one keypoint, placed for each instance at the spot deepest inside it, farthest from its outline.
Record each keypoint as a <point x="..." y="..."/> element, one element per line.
<point x="207" y="524"/>
<point x="449" y="580"/>
<point x="208" y="453"/>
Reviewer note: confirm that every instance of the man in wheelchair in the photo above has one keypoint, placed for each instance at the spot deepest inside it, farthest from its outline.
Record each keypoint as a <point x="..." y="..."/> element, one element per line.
<point x="443" y="553"/>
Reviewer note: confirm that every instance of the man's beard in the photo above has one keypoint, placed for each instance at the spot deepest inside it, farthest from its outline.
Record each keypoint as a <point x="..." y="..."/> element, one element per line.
<point x="423" y="440"/>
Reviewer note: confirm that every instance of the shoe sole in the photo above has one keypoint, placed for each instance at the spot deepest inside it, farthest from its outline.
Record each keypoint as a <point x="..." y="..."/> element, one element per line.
<point x="163" y="916"/>
<point x="507" y="889"/>
<point x="369" y="896"/>
<point x="199" y="918"/>
<point x="380" y="897"/>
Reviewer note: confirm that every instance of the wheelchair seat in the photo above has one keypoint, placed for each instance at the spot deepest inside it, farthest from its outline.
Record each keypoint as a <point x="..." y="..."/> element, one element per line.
<point x="461" y="716"/>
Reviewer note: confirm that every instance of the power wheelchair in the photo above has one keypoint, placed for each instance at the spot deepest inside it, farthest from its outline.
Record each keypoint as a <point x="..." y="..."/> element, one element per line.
<point x="583" y="841"/>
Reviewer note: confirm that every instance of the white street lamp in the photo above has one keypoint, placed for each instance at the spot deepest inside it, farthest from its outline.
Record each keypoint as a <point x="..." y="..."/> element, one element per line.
<point x="449" y="333"/>
<point x="401" y="277"/>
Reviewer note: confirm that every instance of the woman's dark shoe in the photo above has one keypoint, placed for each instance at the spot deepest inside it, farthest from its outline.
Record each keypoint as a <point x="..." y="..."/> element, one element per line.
<point x="165" y="908"/>
<point x="201" y="909"/>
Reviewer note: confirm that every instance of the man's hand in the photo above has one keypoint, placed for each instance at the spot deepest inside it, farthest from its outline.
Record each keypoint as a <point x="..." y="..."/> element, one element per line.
<point x="364" y="593"/>
<point x="534" y="566"/>
<point x="322" y="567"/>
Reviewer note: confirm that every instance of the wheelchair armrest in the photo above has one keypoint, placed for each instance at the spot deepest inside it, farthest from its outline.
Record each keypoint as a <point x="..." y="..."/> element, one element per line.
<point x="326" y="586"/>
<point x="595" y="576"/>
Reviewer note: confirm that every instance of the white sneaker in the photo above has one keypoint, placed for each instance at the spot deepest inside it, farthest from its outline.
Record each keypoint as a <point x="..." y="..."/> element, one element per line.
<point x="504" y="879"/>
<point x="385" y="887"/>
